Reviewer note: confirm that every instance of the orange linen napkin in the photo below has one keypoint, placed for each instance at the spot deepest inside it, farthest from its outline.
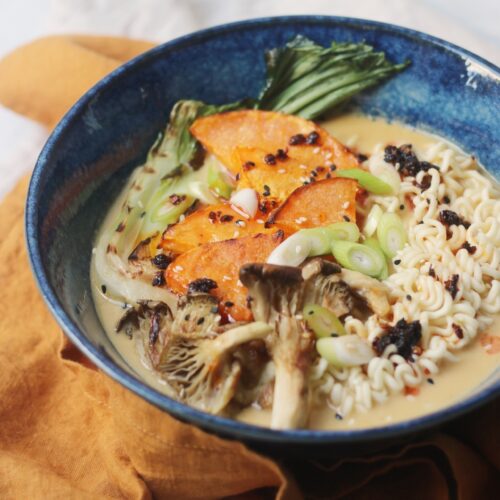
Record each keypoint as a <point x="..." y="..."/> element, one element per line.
<point x="68" y="431"/>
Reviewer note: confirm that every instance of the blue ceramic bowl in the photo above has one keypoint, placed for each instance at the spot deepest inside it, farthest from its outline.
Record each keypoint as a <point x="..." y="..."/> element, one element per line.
<point x="88" y="157"/>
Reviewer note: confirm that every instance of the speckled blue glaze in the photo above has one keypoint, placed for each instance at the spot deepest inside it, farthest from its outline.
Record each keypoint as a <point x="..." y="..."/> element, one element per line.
<point x="86" y="160"/>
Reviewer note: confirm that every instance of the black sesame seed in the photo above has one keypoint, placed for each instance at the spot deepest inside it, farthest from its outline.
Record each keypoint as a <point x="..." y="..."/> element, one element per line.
<point x="158" y="279"/>
<point x="248" y="165"/>
<point x="270" y="159"/>
<point x="430" y="380"/>
<point x="214" y="310"/>
<point x="228" y="303"/>
<point x="226" y="218"/>
<point x="401" y="207"/>
<point x="103" y="288"/>
<point x="161" y="261"/>
<point x="397" y="262"/>
<point x="297" y="139"/>
<point x="408" y="297"/>
<point x="281" y="155"/>
<point x="346" y="218"/>
<point x="338" y="416"/>
<point x="312" y="138"/>
<point x="333" y="167"/>
<point x="186" y="318"/>
<point x="200" y="321"/>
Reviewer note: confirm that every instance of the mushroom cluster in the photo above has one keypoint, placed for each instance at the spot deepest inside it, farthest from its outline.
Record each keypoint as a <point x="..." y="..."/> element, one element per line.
<point x="222" y="368"/>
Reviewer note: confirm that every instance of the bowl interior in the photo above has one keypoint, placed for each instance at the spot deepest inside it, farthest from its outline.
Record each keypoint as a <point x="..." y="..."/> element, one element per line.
<point x="108" y="132"/>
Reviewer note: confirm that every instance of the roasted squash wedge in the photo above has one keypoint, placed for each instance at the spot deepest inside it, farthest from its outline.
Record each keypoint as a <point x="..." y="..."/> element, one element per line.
<point x="210" y="224"/>
<point x="270" y="131"/>
<point x="278" y="180"/>
<point x="221" y="262"/>
<point x="318" y="204"/>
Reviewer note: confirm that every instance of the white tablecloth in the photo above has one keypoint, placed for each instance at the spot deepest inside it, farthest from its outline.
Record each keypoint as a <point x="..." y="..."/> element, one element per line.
<point x="473" y="25"/>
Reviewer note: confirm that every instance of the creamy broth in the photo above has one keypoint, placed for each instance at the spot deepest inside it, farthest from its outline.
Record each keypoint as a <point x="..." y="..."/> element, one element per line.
<point x="454" y="380"/>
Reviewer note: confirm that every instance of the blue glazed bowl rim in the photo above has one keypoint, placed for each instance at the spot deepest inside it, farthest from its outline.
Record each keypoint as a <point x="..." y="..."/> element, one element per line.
<point x="215" y="423"/>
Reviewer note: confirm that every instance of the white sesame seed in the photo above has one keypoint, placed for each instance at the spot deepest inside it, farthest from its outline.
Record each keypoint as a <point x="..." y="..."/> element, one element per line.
<point x="178" y="269"/>
<point x="316" y="151"/>
<point x="236" y="234"/>
<point x="182" y="217"/>
<point x="239" y="283"/>
<point x="345" y="204"/>
<point x="259" y="221"/>
<point x="226" y="278"/>
<point x="303" y="167"/>
<point x="281" y="171"/>
<point x="328" y="155"/>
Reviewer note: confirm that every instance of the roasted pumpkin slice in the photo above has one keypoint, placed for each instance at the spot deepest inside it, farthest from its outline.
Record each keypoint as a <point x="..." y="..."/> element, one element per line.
<point x="270" y="131"/>
<point x="221" y="262"/>
<point x="210" y="224"/>
<point x="279" y="179"/>
<point x="318" y="204"/>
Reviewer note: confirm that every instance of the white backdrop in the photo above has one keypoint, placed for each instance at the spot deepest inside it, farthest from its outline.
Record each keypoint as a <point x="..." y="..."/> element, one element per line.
<point x="471" y="24"/>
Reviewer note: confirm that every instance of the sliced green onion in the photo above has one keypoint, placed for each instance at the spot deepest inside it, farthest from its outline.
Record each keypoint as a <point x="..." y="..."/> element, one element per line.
<point x="322" y="321"/>
<point x="391" y="234"/>
<point x="358" y="257"/>
<point x="372" y="220"/>
<point x="219" y="182"/>
<point x="349" y="350"/>
<point x="292" y="252"/>
<point x="366" y="180"/>
<point x="375" y="245"/>
<point x="347" y="231"/>
<point x="320" y="240"/>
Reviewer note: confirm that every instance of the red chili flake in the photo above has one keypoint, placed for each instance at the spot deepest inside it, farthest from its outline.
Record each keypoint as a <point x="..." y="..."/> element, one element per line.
<point x="411" y="391"/>
<point x="176" y="199"/>
<point x="458" y="330"/>
<point x="361" y="197"/>
<point x="212" y="216"/>
<point x="226" y="218"/>
<point x="281" y="155"/>
<point x="248" y="165"/>
<point x="328" y="175"/>
<point x="238" y="176"/>
<point x="297" y="139"/>
<point x="452" y="286"/>
<point x="320" y="169"/>
<point x="312" y="138"/>
<point x="409" y="201"/>
<point x="471" y="249"/>
<point x="270" y="159"/>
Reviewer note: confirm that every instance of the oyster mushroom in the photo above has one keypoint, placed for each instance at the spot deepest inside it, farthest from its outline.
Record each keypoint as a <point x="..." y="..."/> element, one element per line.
<point x="277" y="295"/>
<point x="192" y="353"/>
